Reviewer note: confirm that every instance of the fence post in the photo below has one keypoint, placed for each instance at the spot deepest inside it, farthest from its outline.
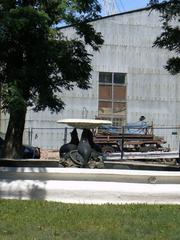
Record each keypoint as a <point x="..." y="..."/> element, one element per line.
<point x="65" y="135"/>
<point x="122" y="143"/>
<point x="30" y="134"/>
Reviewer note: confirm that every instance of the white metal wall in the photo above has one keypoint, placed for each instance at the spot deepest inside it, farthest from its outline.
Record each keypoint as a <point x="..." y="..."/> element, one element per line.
<point x="151" y="90"/>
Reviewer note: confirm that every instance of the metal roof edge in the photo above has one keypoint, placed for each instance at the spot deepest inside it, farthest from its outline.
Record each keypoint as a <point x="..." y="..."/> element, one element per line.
<point x="114" y="15"/>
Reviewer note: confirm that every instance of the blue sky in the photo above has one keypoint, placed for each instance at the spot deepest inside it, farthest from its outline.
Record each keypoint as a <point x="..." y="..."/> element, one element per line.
<point x="123" y="5"/>
<point x="126" y="5"/>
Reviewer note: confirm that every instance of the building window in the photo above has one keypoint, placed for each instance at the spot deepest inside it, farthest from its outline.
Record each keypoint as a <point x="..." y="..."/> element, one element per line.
<point x="112" y="97"/>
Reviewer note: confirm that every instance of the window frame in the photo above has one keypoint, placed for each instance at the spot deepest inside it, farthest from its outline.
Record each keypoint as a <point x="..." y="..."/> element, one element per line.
<point x="112" y="115"/>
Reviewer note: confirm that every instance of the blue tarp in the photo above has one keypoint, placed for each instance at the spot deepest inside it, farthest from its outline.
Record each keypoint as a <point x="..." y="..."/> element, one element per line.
<point x="139" y="127"/>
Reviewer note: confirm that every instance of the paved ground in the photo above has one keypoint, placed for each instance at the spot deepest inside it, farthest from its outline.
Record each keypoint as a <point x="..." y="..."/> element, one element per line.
<point x="90" y="186"/>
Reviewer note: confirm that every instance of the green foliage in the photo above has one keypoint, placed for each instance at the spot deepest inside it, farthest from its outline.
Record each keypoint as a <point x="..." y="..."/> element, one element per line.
<point x="35" y="55"/>
<point x="14" y="98"/>
<point x="152" y="2"/>
<point x="37" y="62"/>
<point x="170" y="37"/>
<point x="50" y="220"/>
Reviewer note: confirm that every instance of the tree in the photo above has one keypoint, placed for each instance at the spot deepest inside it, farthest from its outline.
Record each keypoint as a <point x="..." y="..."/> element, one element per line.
<point x="152" y="2"/>
<point x="37" y="62"/>
<point x="170" y="37"/>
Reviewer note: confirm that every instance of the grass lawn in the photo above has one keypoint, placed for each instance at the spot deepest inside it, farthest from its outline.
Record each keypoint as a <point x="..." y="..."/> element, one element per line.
<point x="48" y="220"/>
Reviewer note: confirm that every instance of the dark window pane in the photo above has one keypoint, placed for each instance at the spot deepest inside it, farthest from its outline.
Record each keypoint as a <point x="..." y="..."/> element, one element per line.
<point x="105" y="92"/>
<point x="105" y="77"/>
<point x="119" y="78"/>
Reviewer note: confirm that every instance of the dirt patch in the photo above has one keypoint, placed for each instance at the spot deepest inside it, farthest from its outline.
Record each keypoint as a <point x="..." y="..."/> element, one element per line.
<point x="49" y="154"/>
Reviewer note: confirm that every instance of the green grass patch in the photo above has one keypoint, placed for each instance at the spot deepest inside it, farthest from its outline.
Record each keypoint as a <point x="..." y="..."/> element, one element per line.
<point x="49" y="220"/>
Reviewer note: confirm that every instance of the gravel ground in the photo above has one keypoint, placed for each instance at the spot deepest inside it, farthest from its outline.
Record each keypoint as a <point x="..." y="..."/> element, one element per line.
<point x="49" y="154"/>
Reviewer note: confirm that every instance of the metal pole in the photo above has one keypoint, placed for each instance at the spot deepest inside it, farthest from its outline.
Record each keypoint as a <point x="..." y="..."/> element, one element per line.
<point x="178" y="159"/>
<point x="0" y="109"/>
<point x="65" y="135"/>
<point x="29" y="138"/>
<point x="122" y="143"/>
<point x="112" y="92"/>
<point x="31" y="135"/>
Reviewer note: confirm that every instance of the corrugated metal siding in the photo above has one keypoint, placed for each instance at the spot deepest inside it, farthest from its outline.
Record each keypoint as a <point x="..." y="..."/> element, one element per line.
<point x="151" y="90"/>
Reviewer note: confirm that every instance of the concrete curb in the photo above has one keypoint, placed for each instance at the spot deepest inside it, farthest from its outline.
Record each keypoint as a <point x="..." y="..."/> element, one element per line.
<point x="90" y="186"/>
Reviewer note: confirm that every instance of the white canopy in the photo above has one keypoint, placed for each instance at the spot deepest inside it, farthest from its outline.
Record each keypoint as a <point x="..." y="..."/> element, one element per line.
<point x="84" y="123"/>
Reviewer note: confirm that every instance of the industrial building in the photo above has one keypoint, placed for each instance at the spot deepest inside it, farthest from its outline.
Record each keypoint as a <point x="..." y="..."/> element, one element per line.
<point x="128" y="81"/>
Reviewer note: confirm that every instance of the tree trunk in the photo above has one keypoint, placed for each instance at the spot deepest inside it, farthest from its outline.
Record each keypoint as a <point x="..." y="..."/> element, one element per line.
<point x="14" y="134"/>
